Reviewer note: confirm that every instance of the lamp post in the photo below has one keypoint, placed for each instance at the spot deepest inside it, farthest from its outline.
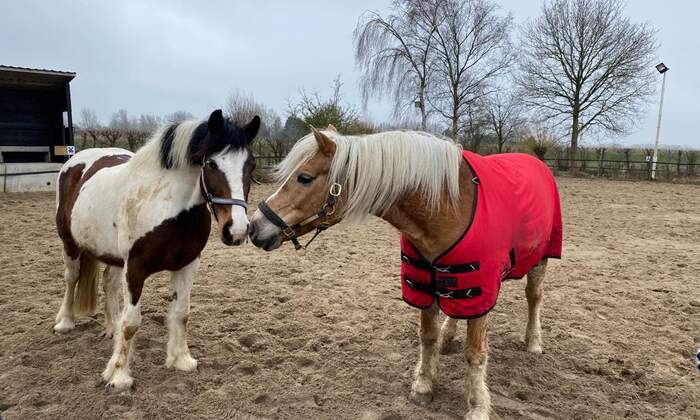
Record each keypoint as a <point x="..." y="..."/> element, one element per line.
<point x="661" y="68"/>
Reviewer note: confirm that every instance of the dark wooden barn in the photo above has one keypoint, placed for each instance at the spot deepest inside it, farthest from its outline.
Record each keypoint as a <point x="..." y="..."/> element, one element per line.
<point x="36" y="124"/>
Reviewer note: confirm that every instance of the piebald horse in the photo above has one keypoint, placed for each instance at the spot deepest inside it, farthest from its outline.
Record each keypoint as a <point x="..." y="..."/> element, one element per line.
<point x="142" y="213"/>
<point x="428" y="189"/>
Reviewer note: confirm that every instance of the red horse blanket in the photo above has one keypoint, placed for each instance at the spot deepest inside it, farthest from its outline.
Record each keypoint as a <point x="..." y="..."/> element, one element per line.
<point x="516" y="222"/>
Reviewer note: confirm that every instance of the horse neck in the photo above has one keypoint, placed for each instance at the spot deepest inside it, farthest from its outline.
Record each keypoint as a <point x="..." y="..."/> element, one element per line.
<point x="431" y="231"/>
<point x="188" y="185"/>
<point x="181" y="183"/>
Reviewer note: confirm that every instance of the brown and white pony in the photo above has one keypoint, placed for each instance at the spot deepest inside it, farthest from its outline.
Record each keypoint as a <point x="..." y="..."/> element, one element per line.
<point x="147" y="212"/>
<point x="414" y="181"/>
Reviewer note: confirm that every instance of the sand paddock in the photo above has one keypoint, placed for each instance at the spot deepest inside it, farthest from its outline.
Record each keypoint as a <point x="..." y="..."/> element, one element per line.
<point x="326" y="335"/>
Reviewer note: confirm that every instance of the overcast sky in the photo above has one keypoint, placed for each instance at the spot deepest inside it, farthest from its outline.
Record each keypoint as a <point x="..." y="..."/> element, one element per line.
<point x="160" y="56"/>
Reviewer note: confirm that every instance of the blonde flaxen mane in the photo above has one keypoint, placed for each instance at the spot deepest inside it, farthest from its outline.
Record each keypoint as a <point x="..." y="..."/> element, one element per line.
<point x="375" y="170"/>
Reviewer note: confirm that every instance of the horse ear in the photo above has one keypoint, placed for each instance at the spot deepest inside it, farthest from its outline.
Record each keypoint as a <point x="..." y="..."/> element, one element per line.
<point x="332" y="128"/>
<point x="325" y="145"/>
<point x="216" y="122"/>
<point x="251" y="129"/>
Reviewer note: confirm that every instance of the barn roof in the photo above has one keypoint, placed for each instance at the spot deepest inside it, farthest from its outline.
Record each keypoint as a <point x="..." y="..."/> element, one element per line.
<point x="23" y="77"/>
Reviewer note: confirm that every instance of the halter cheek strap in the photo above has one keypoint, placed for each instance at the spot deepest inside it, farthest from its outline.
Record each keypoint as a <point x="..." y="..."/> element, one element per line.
<point x="214" y="200"/>
<point x="323" y="214"/>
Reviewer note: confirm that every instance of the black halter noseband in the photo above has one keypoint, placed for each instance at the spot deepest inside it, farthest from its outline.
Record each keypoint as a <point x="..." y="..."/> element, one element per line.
<point x="323" y="215"/>
<point x="214" y="200"/>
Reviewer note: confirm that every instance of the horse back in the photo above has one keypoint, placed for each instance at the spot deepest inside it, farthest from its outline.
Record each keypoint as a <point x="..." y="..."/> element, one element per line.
<point x="530" y="191"/>
<point x="72" y="176"/>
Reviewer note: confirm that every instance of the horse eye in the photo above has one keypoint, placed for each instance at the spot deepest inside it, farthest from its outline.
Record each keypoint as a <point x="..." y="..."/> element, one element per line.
<point x="212" y="164"/>
<point x="305" y="179"/>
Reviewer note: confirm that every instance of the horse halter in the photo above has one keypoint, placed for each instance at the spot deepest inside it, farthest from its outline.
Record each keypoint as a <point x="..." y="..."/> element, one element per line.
<point x="214" y="200"/>
<point x="323" y="215"/>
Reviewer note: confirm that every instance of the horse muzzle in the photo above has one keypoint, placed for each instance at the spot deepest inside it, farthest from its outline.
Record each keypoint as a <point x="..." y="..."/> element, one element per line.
<point x="264" y="234"/>
<point x="233" y="237"/>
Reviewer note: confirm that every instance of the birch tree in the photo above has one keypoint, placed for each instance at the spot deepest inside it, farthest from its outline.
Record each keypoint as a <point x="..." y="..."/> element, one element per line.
<point x="472" y="48"/>
<point x="395" y="54"/>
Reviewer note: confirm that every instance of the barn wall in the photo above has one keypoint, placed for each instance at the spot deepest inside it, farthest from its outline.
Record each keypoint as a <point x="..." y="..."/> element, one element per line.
<point x="30" y="117"/>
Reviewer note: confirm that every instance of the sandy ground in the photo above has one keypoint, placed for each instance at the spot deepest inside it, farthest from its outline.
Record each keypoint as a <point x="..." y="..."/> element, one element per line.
<point x="325" y="335"/>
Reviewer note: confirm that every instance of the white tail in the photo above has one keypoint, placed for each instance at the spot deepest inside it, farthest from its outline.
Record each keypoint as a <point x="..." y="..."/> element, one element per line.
<point x="85" y="300"/>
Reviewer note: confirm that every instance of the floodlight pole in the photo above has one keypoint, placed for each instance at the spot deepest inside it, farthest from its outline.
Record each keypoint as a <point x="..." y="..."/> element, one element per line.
<point x="658" y="128"/>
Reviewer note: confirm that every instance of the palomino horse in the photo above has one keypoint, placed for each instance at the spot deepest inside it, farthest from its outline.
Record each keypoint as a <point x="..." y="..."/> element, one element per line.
<point x="467" y="223"/>
<point x="144" y="213"/>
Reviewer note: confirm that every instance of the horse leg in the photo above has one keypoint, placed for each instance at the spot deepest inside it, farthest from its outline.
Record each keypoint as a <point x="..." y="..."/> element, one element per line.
<point x="117" y="373"/>
<point x="447" y="334"/>
<point x="533" y="291"/>
<point x="178" y="353"/>
<point x="476" y="356"/>
<point x="426" y="370"/>
<point x="111" y="285"/>
<point x="65" y="317"/>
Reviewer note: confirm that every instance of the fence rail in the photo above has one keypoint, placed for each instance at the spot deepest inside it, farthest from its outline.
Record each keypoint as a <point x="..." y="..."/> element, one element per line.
<point x="638" y="169"/>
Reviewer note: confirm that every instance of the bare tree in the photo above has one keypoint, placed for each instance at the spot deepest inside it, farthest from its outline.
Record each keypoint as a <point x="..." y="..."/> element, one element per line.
<point x="395" y="53"/>
<point x="472" y="48"/>
<point x="539" y="139"/>
<point x="587" y="65"/>
<point x="119" y="127"/>
<point x="120" y="121"/>
<point x="149" y="123"/>
<point x="241" y="108"/>
<point x="90" y="124"/>
<point x="504" y="113"/>
<point x="319" y="112"/>
<point x="111" y="135"/>
<point x="179" y="116"/>
<point x="474" y="125"/>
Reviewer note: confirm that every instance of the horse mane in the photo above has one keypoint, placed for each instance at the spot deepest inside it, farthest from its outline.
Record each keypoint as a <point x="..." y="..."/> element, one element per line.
<point x="187" y="143"/>
<point x="376" y="170"/>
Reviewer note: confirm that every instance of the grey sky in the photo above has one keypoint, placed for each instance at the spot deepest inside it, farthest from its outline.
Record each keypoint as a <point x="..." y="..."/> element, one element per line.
<point x="157" y="57"/>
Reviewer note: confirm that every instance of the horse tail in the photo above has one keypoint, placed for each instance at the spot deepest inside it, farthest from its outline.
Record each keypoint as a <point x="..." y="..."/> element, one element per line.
<point x="85" y="300"/>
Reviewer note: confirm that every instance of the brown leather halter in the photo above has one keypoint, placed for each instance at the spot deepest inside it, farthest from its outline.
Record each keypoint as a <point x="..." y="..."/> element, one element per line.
<point x="323" y="215"/>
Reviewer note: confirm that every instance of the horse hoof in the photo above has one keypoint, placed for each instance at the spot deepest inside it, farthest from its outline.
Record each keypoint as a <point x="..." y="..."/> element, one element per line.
<point x="108" y="334"/>
<point x="119" y="386"/>
<point x="120" y="381"/>
<point x="184" y="363"/>
<point x="534" y="348"/>
<point x="421" y="399"/>
<point x="476" y="415"/>
<point x="64" y="327"/>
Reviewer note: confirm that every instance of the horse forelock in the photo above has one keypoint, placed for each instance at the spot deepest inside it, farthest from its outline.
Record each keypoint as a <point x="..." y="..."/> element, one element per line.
<point x="188" y="142"/>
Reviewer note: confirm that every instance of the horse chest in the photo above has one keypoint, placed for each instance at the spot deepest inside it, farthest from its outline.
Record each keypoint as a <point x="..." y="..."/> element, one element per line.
<point x="172" y="244"/>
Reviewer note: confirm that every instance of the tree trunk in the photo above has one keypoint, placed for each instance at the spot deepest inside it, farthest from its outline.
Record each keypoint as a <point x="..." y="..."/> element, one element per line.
<point x="499" y="137"/>
<point x="574" y="143"/>
<point x="423" y="116"/>
<point x="455" y="129"/>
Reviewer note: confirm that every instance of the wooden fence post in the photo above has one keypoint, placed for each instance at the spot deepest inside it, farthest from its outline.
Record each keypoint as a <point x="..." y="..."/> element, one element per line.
<point x="601" y="157"/>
